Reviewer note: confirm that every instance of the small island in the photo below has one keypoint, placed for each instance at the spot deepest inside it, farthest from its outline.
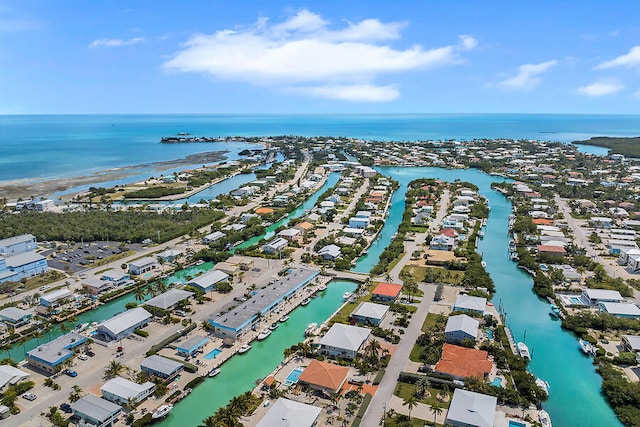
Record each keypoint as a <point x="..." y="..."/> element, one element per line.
<point x="629" y="147"/>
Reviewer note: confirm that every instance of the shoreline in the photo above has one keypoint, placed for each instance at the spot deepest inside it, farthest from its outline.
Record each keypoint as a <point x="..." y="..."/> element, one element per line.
<point x="25" y="188"/>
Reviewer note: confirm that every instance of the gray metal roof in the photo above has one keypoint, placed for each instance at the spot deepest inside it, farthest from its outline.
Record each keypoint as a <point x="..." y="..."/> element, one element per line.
<point x="288" y="413"/>
<point x="371" y="310"/>
<point x="125" y="320"/>
<point x="265" y="299"/>
<point x="160" y="364"/>
<point x="23" y="259"/>
<point x="14" y="313"/>
<point x="346" y="337"/>
<point x="58" y="349"/>
<point x="95" y="407"/>
<point x="17" y="239"/>
<point x="621" y="308"/>
<point x="193" y="343"/>
<point x="11" y="375"/>
<point x="142" y="262"/>
<point x="169" y="299"/>
<point x="634" y="341"/>
<point x="124" y="388"/>
<point x="470" y="302"/>
<point x="472" y="409"/>
<point x="209" y="279"/>
<point x="464" y="323"/>
<point x="57" y="294"/>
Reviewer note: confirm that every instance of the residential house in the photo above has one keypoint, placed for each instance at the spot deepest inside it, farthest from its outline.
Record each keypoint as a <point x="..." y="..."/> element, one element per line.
<point x="123" y="324"/>
<point x="471" y="409"/>
<point x="15" y="317"/>
<point x="275" y="246"/>
<point x="122" y="391"/>
<point x="286" y="413"/>
<point x="323" y="376"/>
<point x="96" y="411"/>
<point x="343" y="341"/>
<point x="461" y="327"/>
<point x="142" y="265"/>
<point x="369" y="313"/>
<point x="470" y="304"/>
<point x="330" y="252"/>
<point x="160" y="366"/>
<point x="212" y="237"/>
<point x="386" y="292"/>
<point x="207" y="281"/>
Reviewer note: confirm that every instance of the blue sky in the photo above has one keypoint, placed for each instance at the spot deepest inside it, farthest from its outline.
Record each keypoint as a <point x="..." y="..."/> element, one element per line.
<point x="356" y="56"/>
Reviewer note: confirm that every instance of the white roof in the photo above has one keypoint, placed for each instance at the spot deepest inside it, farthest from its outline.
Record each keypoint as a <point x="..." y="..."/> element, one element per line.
<point x="169" y="299"/>
<point x="607" y="294"/>
<point x="95" y="407"/>
<point x="371" y="310"/>
<point x="125" y="320"/>
<point x="11" y="375"/>
<point x="346" y="337"/>
<point x="470" y="303"/>
<point x="124" y="388"/>
<point x="333" y="250"/>
<point x="621" y="308"/>
<point x="23" y="259"/>
<point x="214" y="236"/>
<point x="17" y="239"/>
<point x="142" y="262"/>
<point x="160" y="364"/>
<point x="209" y="278"/>
<point x="288" y="413"/>
<point x="464" y="323"/>
<point x="289" y="232"/>
<point x="471" y="409"/>
<point x="14" y="313"/>
<point x="57" y="294"/>
<point x="634" y="341"/>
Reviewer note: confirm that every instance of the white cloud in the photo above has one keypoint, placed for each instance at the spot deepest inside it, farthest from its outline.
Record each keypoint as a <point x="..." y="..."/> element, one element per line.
<point x="528" y="75"/>
<point x="305" y="55"/>
<point x="600" y="89"/>
<point x="629" y="60"/>
<point x="116" y="42"/>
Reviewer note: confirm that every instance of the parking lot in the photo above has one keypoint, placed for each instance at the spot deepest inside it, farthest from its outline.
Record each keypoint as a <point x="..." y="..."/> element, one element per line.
<point x="80" y="256"/>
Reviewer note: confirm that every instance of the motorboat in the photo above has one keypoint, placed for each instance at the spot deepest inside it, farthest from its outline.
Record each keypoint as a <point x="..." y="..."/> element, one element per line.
<point x="587" y="348"/>
<point x="244" y="348"/>
<point x="322" y="287"/>
<point x="543" y="385"/>
<point x="305" y="301"/>
<point x="199" y="262"/>
<point x="523" y="350"/>
<point x="264" y="334"/>
<point x="481" y="234"/>
<point x="162" y="411"/>
<point x="347" y="295"/>
<point x="274" y="326"/>
<point x="484" y="264"/>
<point x="214" y="372"/>
<point x="284" y="318"/>
<point x="544" y="418"/>
<point x="554" y="311"/>
<point x="312" y="327"/>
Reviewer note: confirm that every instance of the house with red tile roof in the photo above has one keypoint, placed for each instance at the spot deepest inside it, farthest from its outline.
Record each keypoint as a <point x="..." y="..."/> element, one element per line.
<point x="386" y="292"/>
<point x="461" y="362"/>
<point x="324" y="376"/>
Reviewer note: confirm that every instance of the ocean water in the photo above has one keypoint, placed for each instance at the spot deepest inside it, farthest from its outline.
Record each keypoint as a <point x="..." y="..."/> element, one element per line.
<point x="52" y="146"/>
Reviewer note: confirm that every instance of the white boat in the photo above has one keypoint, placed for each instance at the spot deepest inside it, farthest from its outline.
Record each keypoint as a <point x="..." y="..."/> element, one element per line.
<point x="244" y="348"/>
<point x="481" y="234"/>
<point x="214" y="372"/>
<point x="543" y="385"/>
<point x="523" y="350"/>
<point x="305" y="301"/>
<point x="544" y="418"/>
<point x="346" y="295"/>
<point x="312" y="327"/>
<point x="199" y="262"/>
<point x="322" y="287"/>
<point x="264" y="334"/>
<point x="587" y="348"/>
<point x="162" y="411"/>
<point x="484" y="264"/>
<point x="284" y="319"/>
<point x="274" y="326"/>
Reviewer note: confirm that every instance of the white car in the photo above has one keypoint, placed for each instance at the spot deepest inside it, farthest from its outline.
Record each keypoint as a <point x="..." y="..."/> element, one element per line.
<point x="29" y="396"/>
<point x="83" y="357"/>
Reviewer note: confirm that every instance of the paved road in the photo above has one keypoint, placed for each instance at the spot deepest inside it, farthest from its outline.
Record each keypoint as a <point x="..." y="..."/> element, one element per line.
<point x="398" y="361"/>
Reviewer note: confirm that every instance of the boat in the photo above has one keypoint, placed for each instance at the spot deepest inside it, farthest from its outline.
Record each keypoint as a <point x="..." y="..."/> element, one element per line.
<point x="284" y="319"/>
<point x="484" y="264"/>
<point x="587" y="348"/>
<point x="346" y="295"/>
<point x="305" y="301"/>
<point x="543" y="385"/>
<point x="274" y="326"/>
<point x="312" y="327"/>
<point x="544" y="418"/>
<point x="514" y="256"/>
<point x="162" y="411"/>
<point x="481" y="234"/>
<point x="244" y="348"/>
<point x="199" y="262"/>
<point x="322" y="287"/>
<point x="214" y="372"/>
<point x="264" y="334"/>
<point x="523" y="350"/>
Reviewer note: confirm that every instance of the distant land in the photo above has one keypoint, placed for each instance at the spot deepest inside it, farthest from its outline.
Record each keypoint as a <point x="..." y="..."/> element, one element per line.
<point x="629" y="146"/>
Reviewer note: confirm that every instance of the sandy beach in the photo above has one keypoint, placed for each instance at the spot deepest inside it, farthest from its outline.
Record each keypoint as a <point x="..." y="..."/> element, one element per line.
<point x="25" y="188"/>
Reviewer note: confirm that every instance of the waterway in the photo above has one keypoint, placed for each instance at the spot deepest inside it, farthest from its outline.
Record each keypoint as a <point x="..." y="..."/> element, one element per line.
<point x="331" y="180"/>
<point x="575" y="397"/>
<point x="239" y="374"/>
<point x="592" y="149"/>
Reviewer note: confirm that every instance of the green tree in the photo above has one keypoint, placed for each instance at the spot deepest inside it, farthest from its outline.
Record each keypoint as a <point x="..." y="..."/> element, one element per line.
<point x="436" y="409"/>
<point x="410" y="402"/>
<point x="75" y="394"/>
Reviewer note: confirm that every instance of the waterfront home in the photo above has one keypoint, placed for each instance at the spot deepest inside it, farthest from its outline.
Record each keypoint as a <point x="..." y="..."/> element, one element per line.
<point x="212" y="237"/>
<point x="11" y="376"/>
<point x="461" y="362"/>
<point x="285" y="413"/>
<point x="442" y="242"/>
<point x="353" y="232"/>
<point x="95" y="411"/>
<point x="168" y="300"/>
<point x="357" y="222"/>
<point x="50" y="356"/>
<point x="118" y="278"/>
<point x="96" y="286"/>
<point x="323" y="376"/>
<point x="233" y="270"/>
<point x="304" y="226"/>
<point x="343" y="341"/>
<point x="123" y="324"/>
<point x="471" y="409"/>
<point x="470" y="304"/>
<point x="160" y="366"/>
<point x="330" y="252"/>
<point x="18" y="245"/>
<point x="247" y="316"/>
<point x="620" y="309"/>
<point x="461" y="327"/>
<point x="15" y="317"/>
<point x="122" y="391"/>
<point x="386" y="292"/>
<point x="245" y="191"/>
<point x="366" y="171"/>
<point x="275" y="246"/>
<point x="569" y="273"/>
<point x="169" y="255"/>
<point x="631" y="343"/>
<point x="551" y="250"/>
<point x="53" y="298"/>
<point x="369" y="313"/>
<point x="192" y="345"/>
<point x="601" y="222"/>
<point x="234" y="227"/>
<point x="291" y="234"/>
<point x="421" y="218"/>
<point x="207" y="281"/>
<point x="616" y="246"/>
<point x="596" y="296"/>
<point x="142" y="265"/>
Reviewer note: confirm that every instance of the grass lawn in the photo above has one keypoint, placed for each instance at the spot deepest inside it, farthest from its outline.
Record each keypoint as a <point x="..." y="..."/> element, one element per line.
<point x="432" y="320"/>
<point x="416" y="351"/>
<point x="404" y="391"/>
<point x="343" y="315"/>
<point x="419" y="273"/>
<point x="396" y="422"/>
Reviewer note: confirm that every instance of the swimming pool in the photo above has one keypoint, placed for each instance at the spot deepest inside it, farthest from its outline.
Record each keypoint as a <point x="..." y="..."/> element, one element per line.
<point x="514" y="423"/>
<point x="489" y="333"/>
<point x="212" y="354"/>
<point x="497" y="381"/>
<point x="575" y="300"/>
<point x="292" y="378"/>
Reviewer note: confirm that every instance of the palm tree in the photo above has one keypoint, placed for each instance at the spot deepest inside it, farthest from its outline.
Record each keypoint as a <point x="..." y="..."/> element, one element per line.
<point x="161" y="287"/>
<point x="410" y="402"/>
<point x="113" y="369"/>
<point x="140" y="293"/>
<point x="423" y="385"/>
<point x="335" y="398"/>
<point x="75" y="394"/>
<point x="436" y="409"/>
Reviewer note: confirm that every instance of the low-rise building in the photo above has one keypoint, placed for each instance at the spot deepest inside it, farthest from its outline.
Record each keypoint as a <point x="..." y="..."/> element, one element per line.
<point x="275" y="246"/>
<point x="160" y="366"/>
<point x="118" y="278"/>
<point x="97" y="286"/>
<point x="323" y="376"/>
<point x="386" y="292"/>
<point x="142" y="265"/>
<point x="49" y="357"/>
<point x="168" y="300"/>
<point x="460" y="328"/>
<point x="24" y="265"/>
<point x="471" y="409"/>
<point x="291" y="234"/>
<point x="15" y="316"/>
<point x="191" y="346"/>
<point x="11" y="376"/>
<point x="213" y="237"/>
<point x="461" y="362"/>
<point x="596" y="296"/>
<point x="620" y="309"/>
<point x="343" y="341"/>
<point x="122" y="391"/>
<point x="170" y="255"/>
<point x="286" y="413"/>
<point x="470" y="304"/>
<point x="631" y="343"/>
<point x="18" y="244"/>
<point x="96" y="411"/>
<point x="330" y="252"/>
<point x="124" y="324"/>
<point x="208" y="281"/>
<point x="52" y="299"/>
<point x="369" y="313"/>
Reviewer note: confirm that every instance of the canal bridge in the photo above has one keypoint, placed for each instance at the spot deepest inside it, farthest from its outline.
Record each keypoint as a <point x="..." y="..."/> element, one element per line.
<point x="347" y="275"/>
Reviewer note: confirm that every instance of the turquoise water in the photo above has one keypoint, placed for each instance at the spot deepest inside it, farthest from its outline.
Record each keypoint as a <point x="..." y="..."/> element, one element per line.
<point x="513" y="423"/>
<point x="212" y="354"/>
<point x="555" y="355"/>
<point x="331" y="180"/>
<point x="593" y="149"/>
<point x="240" y="372"/>
<point x="497" y="381"/>
<point x="292" y="378"/>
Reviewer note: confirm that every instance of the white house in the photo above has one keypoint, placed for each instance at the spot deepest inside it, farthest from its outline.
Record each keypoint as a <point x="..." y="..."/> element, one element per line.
<point x="124" y="324"/>
<point x="287" y="413"/>
<point x="461" y="327"/>
<point x="275" y="246"/>
<point x="122" y="391"/>
<point x="208" y="280"/>
<point x="470" y="409"/>
<point x="470" y="304"/>
<point x="596" y="296"/>
<point x="343" y="340"/>
<point x="330" y="252"/>
<point x="212" y="237"/>
<point x="142" y="265"/>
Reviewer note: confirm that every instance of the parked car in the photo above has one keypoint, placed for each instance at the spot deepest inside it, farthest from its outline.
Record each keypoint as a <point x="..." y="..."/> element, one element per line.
<point x="83" y="357"/>
<point x="71" y="373"/>
<point x="89" y="353"/>
<point x="65" y="407"/>
<point x="29" y="396"/>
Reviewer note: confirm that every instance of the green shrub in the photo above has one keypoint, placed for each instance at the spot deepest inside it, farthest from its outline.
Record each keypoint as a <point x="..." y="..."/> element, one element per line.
<point x="141" y="333"/>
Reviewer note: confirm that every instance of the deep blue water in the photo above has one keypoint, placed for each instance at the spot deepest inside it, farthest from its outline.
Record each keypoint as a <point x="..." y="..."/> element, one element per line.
<point x="52" y="146"/>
